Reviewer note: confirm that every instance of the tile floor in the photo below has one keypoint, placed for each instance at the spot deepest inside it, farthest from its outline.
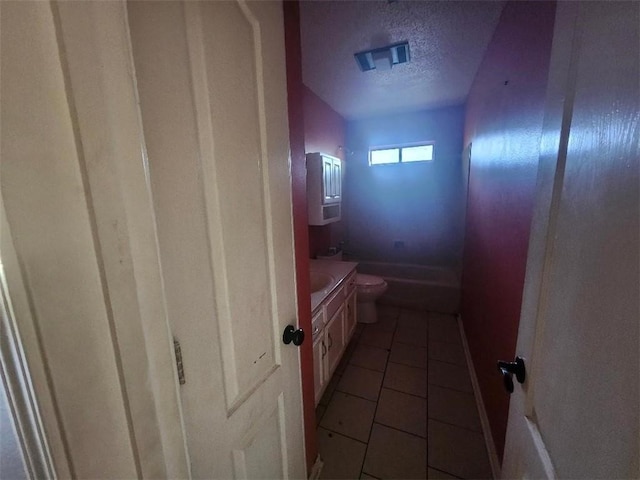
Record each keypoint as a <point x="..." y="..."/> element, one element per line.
<point x="401" y="405"/>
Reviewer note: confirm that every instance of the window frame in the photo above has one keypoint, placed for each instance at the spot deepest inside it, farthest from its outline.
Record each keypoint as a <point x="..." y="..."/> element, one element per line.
<point x="401" y="147"/>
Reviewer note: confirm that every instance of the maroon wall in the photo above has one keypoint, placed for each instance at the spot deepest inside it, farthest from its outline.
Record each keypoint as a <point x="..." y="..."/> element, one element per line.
<point x="504" y="123"/>
<point x="295" y="95"/>
<point x="324" y="131"/>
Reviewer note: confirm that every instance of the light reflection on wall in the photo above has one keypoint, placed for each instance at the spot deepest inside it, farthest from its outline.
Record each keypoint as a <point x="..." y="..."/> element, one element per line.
<point x="418" y="204"/>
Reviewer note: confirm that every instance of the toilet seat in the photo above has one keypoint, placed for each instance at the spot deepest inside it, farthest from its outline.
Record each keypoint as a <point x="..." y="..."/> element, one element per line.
<point x="368" y="280"/>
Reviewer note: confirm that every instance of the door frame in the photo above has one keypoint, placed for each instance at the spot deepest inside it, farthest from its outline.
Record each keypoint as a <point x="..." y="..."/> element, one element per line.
<point x="15" y="373"/>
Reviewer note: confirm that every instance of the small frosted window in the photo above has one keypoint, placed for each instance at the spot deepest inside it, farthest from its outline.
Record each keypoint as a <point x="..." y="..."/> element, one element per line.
<point x="401" y="154"/>
<point x="379" y="157"/>
<point x="423" y="153"/>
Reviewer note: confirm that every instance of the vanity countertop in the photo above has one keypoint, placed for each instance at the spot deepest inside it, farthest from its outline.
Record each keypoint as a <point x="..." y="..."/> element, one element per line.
<point x="337" y="269"/>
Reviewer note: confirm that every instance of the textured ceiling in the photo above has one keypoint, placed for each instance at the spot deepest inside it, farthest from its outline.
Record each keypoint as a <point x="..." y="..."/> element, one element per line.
<point x="447" y="40"/>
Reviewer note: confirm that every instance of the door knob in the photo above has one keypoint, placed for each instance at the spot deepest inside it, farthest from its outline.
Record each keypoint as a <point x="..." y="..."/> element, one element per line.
<point x="508" y="369"/>
<point x="290" y="334"/>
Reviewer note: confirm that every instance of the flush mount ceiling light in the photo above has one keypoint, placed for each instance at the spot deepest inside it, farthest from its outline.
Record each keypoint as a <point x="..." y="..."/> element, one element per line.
<point x="383" y="58"/>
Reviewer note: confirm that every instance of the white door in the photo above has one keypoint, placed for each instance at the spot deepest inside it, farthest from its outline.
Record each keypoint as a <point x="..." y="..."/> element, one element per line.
<point x="78" y="247"/>
<point x="212" y="85"/>
<point x="577" y="414"/>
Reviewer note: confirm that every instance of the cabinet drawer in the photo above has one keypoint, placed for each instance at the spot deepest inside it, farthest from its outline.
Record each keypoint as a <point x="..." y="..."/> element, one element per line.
<point x="334" y="304"/>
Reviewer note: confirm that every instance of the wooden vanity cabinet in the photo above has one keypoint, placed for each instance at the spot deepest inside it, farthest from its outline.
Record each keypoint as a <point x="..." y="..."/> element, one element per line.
<point x="339" y="323"/>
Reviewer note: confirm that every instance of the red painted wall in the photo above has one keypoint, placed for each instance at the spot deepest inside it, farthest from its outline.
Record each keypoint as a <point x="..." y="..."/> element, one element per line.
<point x="324" y="131"/>
<point x="504" y="122"/>
<point x="295" y="98"/>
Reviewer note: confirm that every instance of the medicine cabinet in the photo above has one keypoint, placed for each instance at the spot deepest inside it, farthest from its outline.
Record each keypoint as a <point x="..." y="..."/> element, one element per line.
<point x="324" y="188"/>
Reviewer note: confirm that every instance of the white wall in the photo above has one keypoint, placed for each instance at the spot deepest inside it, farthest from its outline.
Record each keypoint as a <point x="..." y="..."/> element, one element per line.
<point x="419" y="204"/>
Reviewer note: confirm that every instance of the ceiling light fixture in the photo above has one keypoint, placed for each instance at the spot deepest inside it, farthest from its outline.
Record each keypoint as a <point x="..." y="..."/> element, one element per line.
<point x="383" y="58"/>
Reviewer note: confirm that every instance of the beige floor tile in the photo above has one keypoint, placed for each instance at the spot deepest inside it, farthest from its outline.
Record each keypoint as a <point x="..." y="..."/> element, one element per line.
<point x="346" y="356"/>
<point x="411" y="336"/>
<point x="320" y="409"/>
<point x="447" y="352"/>
<point x="376" y="338"/>
<point x="457" y="451"/>
<point x="404" y="412"/>
<point x="342" y="456"/>
<point x="406" y="354"/>
<point x="328" y="393"/>
<point x="388" y="311"/>
<point x="361" y="382"/>
<point x="384" y="324"/>
<point x="373" y="358"/>
<point x="406" y="379"/>
<point x="395" y="455"/>
<point x="413" y="319"/>
<point x="449" y="376"/>
<point x="451" y="406"/>
<point x="433" y="474"/>
<point x="350" y="416"/>
<point x="358" y="331"/>
<point x="444" y="328"/>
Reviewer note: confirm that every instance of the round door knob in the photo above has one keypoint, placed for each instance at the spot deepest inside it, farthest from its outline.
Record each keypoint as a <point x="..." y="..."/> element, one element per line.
<point x="290" y="335"/>
<point x="508" y="369"/>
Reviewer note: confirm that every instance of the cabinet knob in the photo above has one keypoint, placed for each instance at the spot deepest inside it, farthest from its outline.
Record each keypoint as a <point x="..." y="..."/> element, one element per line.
<point x="290" y="334"/>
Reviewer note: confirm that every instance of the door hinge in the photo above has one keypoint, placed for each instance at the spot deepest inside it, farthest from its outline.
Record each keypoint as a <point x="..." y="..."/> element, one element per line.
<point x="178" y="352"/>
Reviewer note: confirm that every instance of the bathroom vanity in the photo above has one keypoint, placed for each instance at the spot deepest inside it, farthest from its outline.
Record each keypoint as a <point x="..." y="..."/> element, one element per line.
<point x="333" y="305"/>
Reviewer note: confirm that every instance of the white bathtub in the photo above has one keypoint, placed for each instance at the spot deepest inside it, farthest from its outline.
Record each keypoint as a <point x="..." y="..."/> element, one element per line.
<point x="416" y="286"/>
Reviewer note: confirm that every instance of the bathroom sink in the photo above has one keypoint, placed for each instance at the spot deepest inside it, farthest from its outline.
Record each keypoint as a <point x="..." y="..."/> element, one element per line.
<point x="320" y="281"/>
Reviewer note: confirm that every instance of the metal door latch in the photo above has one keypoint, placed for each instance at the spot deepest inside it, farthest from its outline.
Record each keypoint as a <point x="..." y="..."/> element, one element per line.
<point x="178" y="352"/>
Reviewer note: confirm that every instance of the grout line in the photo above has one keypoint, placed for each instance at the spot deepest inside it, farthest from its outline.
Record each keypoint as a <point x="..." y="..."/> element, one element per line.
<point x="449" y="388"/>
<point x="406" y="393"/>
<point x="410" y="366"/>
<point x="366" y="368"/>
<point x="400" y="430"/>
<point x="448" y="363"/>
<point x="354" y="395"/>
<point x="342" y="434"/>
<point x="479" y="432"/>
<point x="368" y="475"/>
<point x="443" y="471"/>
<point x="447" y="342"/>
<point x="364" y="458"/>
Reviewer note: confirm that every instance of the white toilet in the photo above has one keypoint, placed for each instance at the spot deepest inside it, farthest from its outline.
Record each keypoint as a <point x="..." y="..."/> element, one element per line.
<point x="369" y="288"/>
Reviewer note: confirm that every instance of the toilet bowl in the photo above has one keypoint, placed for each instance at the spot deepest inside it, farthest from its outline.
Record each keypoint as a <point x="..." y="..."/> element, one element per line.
<point x="369" y="288"/>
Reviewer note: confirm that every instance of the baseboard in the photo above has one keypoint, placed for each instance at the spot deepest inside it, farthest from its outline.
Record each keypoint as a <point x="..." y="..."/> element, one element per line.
<point x="484" y="420"/>
<point x="316" y="469"/>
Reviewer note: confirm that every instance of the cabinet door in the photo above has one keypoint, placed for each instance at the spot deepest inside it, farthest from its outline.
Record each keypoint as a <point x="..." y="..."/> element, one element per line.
<point x="336" y="174"/>
<point x="327" y="179"/>
<point x="319" y="380"/>
<point x="350" y="316"/>
<point x="335" y="340"/>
